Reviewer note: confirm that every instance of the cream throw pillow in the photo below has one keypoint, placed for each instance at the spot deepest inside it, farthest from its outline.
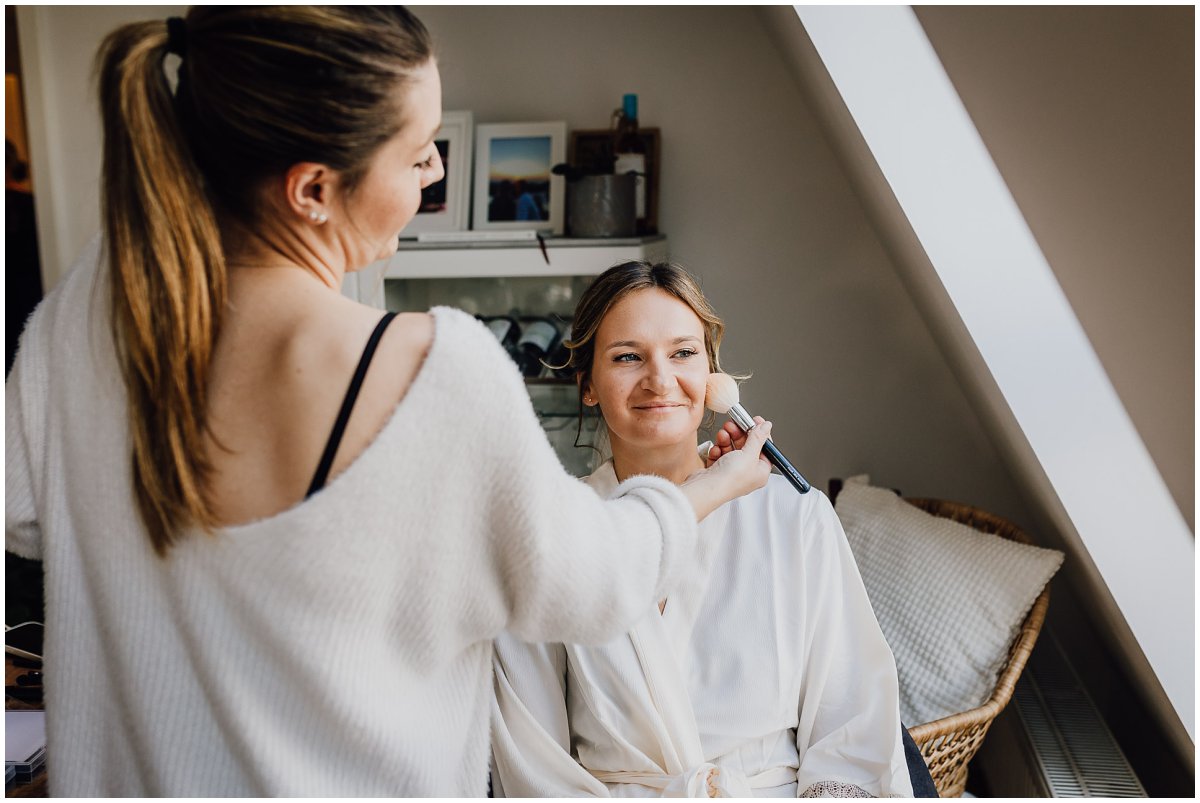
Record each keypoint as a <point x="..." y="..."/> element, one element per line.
<point x="949" y="599"/>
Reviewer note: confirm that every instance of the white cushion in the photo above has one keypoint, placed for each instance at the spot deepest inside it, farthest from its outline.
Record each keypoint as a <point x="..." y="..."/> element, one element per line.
<point x="949" y="599"/>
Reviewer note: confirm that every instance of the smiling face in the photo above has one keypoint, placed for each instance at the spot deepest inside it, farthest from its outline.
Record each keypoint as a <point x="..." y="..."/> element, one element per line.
<point x="649" y="371"/>
<point x="389" y="194"/>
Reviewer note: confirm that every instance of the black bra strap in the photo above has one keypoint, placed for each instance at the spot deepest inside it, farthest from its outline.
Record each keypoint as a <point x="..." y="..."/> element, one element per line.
<point x="339" y="426"/>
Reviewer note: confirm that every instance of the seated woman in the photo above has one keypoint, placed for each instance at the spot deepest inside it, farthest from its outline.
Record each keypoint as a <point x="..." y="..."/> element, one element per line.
<point x="764" y="673"/>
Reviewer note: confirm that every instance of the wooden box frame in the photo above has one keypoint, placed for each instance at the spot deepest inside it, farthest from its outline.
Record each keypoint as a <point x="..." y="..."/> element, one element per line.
<point x="595" y="146"/>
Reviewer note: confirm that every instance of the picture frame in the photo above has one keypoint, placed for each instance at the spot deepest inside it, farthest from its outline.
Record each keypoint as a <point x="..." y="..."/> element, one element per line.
<point x="514" y="188"/>
<point x="594" y="147"/>
<point x="446" y="205"/>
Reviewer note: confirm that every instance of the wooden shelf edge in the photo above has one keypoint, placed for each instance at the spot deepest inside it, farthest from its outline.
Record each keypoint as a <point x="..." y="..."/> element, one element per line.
<point x="482" y="260"/>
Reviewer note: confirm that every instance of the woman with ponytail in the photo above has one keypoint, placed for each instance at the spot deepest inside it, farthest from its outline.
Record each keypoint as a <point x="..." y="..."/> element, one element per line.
<point x="279" y="530"/>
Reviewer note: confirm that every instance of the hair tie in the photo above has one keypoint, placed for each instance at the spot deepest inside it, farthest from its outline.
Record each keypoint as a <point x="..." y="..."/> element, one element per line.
<point x="176" y="36"/>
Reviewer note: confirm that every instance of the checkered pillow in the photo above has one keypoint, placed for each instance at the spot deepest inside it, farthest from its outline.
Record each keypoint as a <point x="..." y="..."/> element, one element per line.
<point x="949" y="599"/>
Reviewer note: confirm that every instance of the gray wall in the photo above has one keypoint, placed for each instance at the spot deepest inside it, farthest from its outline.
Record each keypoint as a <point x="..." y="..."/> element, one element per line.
<point x="754" y="202"/>
<point x="1089" y="114"/>
<point x="1083" y="614"/>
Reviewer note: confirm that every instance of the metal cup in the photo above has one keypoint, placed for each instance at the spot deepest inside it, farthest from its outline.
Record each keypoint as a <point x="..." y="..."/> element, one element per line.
<point x="602" y="206"/>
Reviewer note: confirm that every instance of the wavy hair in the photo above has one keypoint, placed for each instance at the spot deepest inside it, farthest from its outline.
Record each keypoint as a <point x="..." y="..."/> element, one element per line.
<point x="615" y="284"/>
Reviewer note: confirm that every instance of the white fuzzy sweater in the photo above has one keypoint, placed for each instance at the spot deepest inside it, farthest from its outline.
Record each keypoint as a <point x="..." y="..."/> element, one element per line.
<point x="342" y="647"/>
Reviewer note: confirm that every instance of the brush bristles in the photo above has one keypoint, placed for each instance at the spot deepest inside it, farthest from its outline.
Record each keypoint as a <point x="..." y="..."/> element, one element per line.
<point x="721" y="393"/>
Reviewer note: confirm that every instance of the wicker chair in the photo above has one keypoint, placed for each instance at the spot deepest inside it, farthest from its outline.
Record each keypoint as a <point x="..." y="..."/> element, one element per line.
<point x="949" y="743"/>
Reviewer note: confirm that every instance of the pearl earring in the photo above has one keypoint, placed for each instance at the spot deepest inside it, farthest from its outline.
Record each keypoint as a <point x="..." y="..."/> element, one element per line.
<point x="317" y="218"/>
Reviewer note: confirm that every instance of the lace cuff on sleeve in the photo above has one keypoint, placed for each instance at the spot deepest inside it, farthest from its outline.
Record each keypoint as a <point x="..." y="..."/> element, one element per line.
<point x="833" y="789"/>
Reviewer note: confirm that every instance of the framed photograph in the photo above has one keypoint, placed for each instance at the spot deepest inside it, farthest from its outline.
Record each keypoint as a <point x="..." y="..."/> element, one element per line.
<point x="446" y="206"/>
<point x="591" y="150"/>
<point x="514" y="188"/>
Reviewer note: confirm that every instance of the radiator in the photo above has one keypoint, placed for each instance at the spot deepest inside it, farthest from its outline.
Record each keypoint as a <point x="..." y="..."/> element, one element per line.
<point x="1051" y="740"/>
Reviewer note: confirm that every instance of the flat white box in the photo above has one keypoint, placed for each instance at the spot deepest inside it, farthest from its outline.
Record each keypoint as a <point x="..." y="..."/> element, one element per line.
<point x="24" y="735"/>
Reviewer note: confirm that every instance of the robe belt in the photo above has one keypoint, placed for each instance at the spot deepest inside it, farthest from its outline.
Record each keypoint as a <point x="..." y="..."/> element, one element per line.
<point x="695" y="782"/>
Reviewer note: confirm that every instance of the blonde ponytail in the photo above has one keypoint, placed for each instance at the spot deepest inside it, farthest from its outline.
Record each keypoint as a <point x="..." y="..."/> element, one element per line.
<point x="260" y="89"/>
<point x="168" y="280"/>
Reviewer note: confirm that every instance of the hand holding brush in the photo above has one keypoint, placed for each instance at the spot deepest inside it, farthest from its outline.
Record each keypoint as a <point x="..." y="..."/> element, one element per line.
<point x="721" y="396"/>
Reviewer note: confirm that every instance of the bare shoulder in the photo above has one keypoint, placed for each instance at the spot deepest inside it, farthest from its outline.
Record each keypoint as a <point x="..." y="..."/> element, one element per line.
<point x="403" y="348"/>
<point x="414" y="330"/>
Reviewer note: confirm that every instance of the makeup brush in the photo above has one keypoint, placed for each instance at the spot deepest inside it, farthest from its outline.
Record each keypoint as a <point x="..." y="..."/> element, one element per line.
<point x="721" y="396"/>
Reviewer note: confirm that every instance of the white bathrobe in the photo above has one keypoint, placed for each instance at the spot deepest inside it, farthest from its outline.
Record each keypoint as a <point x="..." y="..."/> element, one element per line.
<point x="767" y="666"/>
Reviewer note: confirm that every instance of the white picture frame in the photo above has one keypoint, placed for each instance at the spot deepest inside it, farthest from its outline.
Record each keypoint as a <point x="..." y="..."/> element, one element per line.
<point x="514" y="188"/>
<point x="446" y="206"/>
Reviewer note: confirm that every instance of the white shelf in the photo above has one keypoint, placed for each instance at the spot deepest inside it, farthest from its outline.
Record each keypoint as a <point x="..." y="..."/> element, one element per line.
<point x="568" y="256"/>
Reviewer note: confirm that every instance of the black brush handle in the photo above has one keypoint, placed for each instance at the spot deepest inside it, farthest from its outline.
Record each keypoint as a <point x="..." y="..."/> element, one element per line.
<point x="788" y="470"/>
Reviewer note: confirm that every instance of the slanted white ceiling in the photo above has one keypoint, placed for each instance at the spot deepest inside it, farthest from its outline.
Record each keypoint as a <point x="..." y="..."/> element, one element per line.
<point x="1008" y="300"/>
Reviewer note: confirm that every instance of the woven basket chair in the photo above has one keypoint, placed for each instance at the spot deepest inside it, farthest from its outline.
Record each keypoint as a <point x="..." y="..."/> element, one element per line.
<point x="948" y="744"/>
